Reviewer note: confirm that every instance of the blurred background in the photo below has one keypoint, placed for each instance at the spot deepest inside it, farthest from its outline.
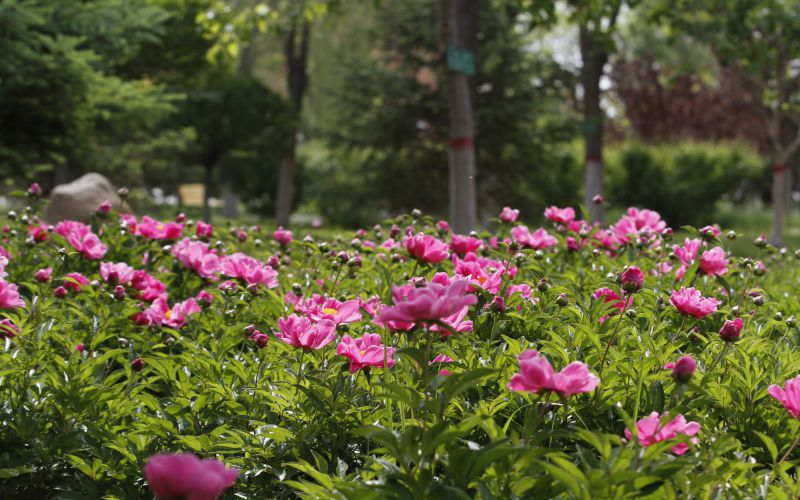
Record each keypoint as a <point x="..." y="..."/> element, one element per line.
<point x="345" y="112"/>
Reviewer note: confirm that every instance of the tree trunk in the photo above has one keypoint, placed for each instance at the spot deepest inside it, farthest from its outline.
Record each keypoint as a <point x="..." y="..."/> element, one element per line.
<point x="593" y="59"/>
<point x="297" y="83"/>
<point x="209" y="166"/>
<point x="231" y="208"/>
<point x="60" y="174"/>
<point x="458" y="20"/>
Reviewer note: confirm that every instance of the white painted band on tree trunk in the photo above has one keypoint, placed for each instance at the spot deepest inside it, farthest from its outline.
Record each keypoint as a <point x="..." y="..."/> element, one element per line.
<point x="780" y="195"/>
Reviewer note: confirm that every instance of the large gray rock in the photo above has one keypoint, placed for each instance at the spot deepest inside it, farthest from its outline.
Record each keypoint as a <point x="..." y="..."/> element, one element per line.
<point x="78" y="199"/>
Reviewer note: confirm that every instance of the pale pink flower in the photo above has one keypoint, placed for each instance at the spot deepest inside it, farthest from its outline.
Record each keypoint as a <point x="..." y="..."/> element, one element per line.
<point x="649" y="430"/>
<point x="433" y="302"/>
<point x="789" y="395"/>
<point x="560" y="215"/>
<point x="159" y="313"/>
<point x="537" y="240"/>
<point x="509" y="215"/>
<point x="304" y="333"/>
<point x="81" y="238"/>
<point x="687" y="252"/>
<point x="3" y="264"/>
<point x="248" y="269"/>
<point x="198" y="257"/>
<point x="689" y="301"/>
<point x="636" y="223"/>
<point x="426" y="248"/>
<point x="456" y="322"/>
<point x="9" y="296"/>
<point x="365" y="352"/>
<point x="713" y="262"/>
<point x="186" y="476"/>
<point x="537" y="375"/>
<point x="319" y="307"/>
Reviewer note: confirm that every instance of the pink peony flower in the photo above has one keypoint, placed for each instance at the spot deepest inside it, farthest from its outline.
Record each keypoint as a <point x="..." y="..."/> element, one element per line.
<point x="183" y="475"/>
<point x="81" y="238"/>
<point x="426" y="248"/>
<point x="649" y="430"/>
<point x="632" y="280"/>
<point x="43" y="275"/>
<point x="683" y="369"/>
<point x="509" y="215"/>
<point x="251" y="271"/>
<point x="537" y="240"/>
<point x="9" y="296"/>
<point x="454" y="323"/>
<point x="689" y="301"/>
<point x="204" y="230"/>
<point x="148" y="287"/>
<point x="318" y="307"/>
<point x="609" y="295"/>
<point x="462" y="244"/>
<point x="38" y="233"/>
<point x="35" y="190"/>
<point x="713" y="262"/>
<point x="104" y="208"/>
<point x="116" y="273"/>
<point x="282" y="236"/>
<point x="304" y="333"/>
<point x="789" y="396"/>
<point x="560" y="215"/>
<point x="731" y="330"/>
<point x="688" y="251"/>
<point x="536" y="375"/>
<point x="74" y="281"/>
<point x="156" y="230"/>
<point x="433" y="302"/>
<point x="159" y="313"/>
<point x="8" y="329"/>
<point x="636" y="223"/>
<point x="197" y="256"/>
<point x="365" y="352"/>
<point x="443" y="226"/>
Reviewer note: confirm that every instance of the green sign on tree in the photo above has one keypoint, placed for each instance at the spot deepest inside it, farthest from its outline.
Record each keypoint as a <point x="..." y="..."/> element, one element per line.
<point x="461" y="60"/>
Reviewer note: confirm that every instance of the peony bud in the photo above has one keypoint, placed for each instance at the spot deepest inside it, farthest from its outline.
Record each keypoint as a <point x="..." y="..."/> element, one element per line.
<point x="731" y="330"/>
<point x="498" y="304"/>
<point x="137" y="364"/>
<point x="60" y="292"/>
<point x="632" y="279"/>
<point x="683" y="369"/>
<point x="119" y="292"/>
<point x="34" y="190"/>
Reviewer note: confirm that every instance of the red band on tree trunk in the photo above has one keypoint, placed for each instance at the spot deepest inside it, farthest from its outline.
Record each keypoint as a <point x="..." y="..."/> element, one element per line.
<point x="593" y="158"/>
<point x="460" y="142"/>
<point x="777" y="169"/>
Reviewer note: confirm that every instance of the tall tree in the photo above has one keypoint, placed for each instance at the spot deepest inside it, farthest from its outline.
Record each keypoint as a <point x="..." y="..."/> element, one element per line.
<point x="458" y="24"/>
<point x="761" y="40"/>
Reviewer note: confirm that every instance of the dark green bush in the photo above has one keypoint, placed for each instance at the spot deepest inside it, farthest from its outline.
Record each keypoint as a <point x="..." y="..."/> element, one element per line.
<point x="682" y="181"/>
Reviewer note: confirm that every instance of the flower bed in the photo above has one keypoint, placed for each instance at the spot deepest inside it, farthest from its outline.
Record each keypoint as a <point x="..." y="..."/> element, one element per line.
<point x="183" y="360"/>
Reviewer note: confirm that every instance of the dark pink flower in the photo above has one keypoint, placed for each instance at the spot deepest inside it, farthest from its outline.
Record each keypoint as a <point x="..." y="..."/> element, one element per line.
<point x="156" y="230"/>
<point x="731" y="330"/>
<point x="8" y="329"/>
<point x="683" y="369"/>
<point x="35" y="190"/>
<point x="74" y="281"/>
<point x="259" y="338"/>
<point x="536" y="375"/>
<point x="632" y="280"/>
<point x="159" y="313"/>
<point x="302" y="332"/>
<point x="365" y="352"/>
<point x="426" y="248"/>
<point x="186" y="476"/>
<point x="147" y="287"/>
<point x="43" y="275"/>
<point x="104" y="208"/>
<point x="689" y="301"/>
<point x="789" y="395"/>
<point x="649" y="430"/>
<point x="204" y="231"/>
<point x="118" y="273"/>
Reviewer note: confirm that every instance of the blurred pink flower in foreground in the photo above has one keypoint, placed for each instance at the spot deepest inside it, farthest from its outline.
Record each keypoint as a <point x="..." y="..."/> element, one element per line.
<point x="689" y="301"/>
<point x="365" y="352"/>
<point x="9" y="296"/>
<point x="649" y="430"/>
<point x="537" y="375"/>
<point x="183" y="475"/>
<point x="789" y="395"/>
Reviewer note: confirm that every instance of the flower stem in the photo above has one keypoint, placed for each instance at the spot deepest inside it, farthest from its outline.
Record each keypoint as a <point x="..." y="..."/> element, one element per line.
<point x="613" y="335"/>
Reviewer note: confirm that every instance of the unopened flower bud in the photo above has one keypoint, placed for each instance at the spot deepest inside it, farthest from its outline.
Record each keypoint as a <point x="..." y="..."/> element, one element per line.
<point x="731" y="330"/>
<point x="632" y="279"/>
<point x="562" y="300"/>
<point x="732" y="235"/>
<point x="137" y="364"/>
<point x="60" y="292"/>
<point x="498" y="304"/>
<point x="683" y="369"/>
<point x="119" y="292"/>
